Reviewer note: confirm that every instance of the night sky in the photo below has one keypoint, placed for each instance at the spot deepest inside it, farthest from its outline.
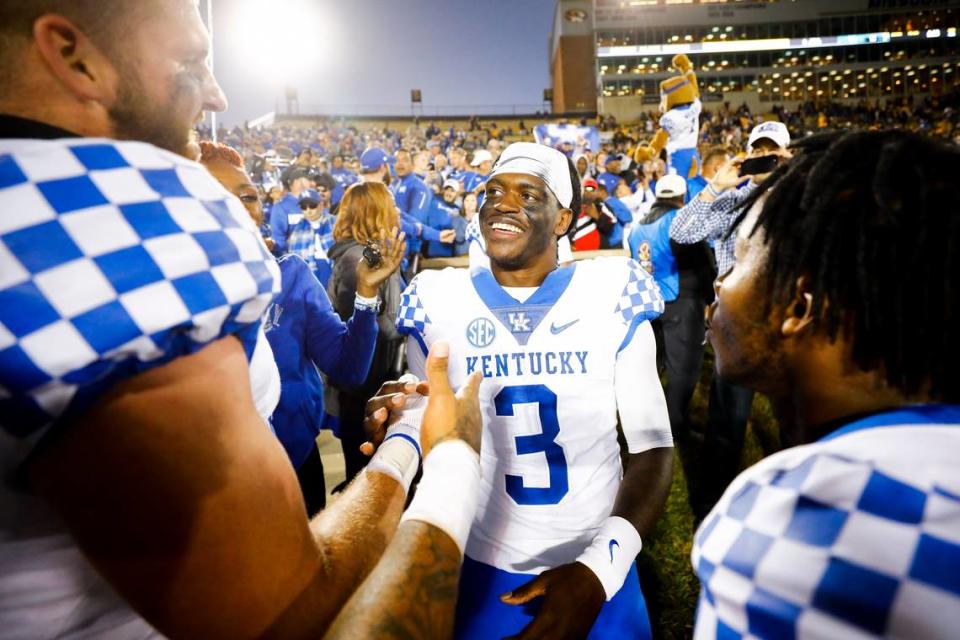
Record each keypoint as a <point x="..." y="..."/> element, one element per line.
<point x="370" y="53"/>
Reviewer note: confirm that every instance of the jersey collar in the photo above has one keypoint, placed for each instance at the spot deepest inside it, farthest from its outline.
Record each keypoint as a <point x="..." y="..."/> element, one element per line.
<point x="548" y="293"/>
<point x="914" y="415"/>
<point x="521" y="319"/>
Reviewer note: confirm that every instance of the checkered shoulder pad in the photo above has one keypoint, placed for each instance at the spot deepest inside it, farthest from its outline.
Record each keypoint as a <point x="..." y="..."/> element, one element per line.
<point x="411" y="316"/>
<point x="829" y="547"/>
<point x="641" y="298"/>
<point x="115" y="257"/>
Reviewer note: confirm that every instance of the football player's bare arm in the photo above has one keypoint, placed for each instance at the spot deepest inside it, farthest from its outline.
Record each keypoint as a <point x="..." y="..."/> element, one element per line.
<point x="574" y="593"/>
<point x="184" y="500"/>
<point x="412" y="592"/>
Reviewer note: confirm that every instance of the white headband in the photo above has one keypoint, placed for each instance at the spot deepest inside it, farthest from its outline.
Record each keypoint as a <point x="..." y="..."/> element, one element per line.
<point x="541" y="161"/>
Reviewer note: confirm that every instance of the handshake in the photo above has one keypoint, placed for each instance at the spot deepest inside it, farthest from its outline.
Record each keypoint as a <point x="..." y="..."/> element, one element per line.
<point x="428" y="412"/>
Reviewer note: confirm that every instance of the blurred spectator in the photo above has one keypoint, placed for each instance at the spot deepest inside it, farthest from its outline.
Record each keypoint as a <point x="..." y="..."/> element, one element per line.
<point x="446" y="215"/>
<point x="312" y="236"/>
<point x="482" y="163"/>
<point x="713" y="159"/>
<point x="595" y="222"/>
<point x="584" y="169"/>
<point x="367" y="214"/>
<point x="286" y="212"/>
<point x="685" y="275"/>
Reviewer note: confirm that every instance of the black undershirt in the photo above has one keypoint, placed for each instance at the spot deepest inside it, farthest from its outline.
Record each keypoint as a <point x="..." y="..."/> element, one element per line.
<point x="17" y="127"/>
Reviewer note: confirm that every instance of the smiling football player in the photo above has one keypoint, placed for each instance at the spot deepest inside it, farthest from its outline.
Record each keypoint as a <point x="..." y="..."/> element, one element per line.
<point x="564" y="350"/>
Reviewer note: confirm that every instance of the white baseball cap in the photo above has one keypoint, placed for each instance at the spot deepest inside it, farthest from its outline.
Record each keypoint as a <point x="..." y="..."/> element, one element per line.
<point x="776" y="131"/>
<point x="671" y="186"/>
<point x="482" y="155"/>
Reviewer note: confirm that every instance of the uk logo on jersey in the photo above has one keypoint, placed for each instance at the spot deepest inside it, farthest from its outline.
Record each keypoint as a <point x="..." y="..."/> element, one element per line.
<point x="481" y="332"/>
<point x="519" y="322"/>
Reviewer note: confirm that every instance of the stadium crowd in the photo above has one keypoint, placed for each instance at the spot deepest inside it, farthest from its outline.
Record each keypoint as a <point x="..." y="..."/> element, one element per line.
<point x="179" y="317"/>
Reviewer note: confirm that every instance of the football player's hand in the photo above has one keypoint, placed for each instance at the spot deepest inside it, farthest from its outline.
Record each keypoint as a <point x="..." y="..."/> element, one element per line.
<point x="572" y="599"/>
<point x="449" y="416"/>
<point x="385" y="408"/>
<point x="392" y="248"/>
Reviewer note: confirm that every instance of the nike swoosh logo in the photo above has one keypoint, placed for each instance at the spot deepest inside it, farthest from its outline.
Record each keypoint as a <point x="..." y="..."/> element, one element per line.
<point x="613" y="542"/>
<point x="554" y="329"/>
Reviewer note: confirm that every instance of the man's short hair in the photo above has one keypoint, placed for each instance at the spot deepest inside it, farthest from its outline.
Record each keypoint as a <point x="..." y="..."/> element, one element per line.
<point x="98" y="19"/>
<point x="714" y="152"/>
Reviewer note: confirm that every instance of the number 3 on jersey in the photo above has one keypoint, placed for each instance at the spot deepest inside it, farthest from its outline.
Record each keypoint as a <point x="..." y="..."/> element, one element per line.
<point x="545" y="441"/>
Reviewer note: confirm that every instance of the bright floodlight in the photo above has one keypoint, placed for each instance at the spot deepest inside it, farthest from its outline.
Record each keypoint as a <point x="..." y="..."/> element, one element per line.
<point x="279" y="42"/>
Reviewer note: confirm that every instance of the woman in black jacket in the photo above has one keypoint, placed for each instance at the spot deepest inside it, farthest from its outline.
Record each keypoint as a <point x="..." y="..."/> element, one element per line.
<point x="367" y="213"/>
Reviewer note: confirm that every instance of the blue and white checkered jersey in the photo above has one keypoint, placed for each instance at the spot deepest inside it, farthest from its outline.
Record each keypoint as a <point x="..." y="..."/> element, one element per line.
<point x="854" y="536"/>
<point x="115" y="257"/>
<point x="550" y="458"/>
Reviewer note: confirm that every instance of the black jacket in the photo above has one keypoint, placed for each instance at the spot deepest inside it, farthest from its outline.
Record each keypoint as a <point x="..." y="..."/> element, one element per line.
<point x="346" y="254"/>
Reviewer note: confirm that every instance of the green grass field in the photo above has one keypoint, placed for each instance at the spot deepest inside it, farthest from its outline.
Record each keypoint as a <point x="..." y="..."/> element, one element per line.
<point x="668" y="581"/>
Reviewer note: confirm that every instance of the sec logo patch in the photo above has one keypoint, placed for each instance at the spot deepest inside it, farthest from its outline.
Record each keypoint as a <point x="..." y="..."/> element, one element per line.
<point x="481" y="332"/>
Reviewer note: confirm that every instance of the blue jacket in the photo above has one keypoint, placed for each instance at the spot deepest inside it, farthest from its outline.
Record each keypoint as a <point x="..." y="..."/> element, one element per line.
<point x="442" y="216"/>
<point x="305" y="334"/>
<point x="695" y="185"/>
<point x="413" y="196"/>
<point x="415" y="199"/>
<point x="650" y="246"/>
<point x="680" y="270"/>
<point x="624" y="217"/>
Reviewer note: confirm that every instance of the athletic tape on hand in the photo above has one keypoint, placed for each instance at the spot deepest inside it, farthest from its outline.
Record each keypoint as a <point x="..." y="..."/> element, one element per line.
<point x="448" y="492"/>
<point x="399" y="454"/>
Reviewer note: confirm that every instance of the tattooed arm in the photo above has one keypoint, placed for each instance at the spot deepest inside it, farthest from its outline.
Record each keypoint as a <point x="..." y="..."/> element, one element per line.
<point x="413" y="589"/>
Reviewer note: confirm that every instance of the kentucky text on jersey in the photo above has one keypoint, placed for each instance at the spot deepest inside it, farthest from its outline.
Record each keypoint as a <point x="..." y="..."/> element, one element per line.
<point x="500" y="365"/>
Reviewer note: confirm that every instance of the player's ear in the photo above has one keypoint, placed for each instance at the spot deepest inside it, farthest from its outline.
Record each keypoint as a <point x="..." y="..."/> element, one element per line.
<point x="564" y="217"/>
<point x="74" y="60"/>
<point x="799" y="314"/>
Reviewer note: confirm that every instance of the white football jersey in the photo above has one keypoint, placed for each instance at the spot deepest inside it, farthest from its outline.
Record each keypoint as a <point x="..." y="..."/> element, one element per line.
<point x="683" y="126"/>
<point x="549" y="456"/>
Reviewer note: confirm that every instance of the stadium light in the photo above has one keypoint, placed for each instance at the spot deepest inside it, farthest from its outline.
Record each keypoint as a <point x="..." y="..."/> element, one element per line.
<point x="280" y="43"/>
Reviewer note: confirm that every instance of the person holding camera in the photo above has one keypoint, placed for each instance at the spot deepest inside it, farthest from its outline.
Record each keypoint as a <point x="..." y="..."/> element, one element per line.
<point x="709" y="217"/>
<point x="361" y="244"/>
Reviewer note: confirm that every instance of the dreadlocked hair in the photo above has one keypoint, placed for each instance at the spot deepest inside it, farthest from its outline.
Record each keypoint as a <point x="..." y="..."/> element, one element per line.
<point x="872" y="220"/>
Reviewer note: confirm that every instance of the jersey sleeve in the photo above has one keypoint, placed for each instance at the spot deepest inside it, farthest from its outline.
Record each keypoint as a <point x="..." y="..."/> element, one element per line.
<point x="639" y="301"/>
<point x="794" y="532"/>
<point x="412" y="318"/>
<point x="640" y="401"/>
<point x="116" y="258"/>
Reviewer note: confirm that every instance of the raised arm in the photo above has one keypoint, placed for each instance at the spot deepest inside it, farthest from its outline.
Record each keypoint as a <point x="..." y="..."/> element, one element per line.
<point x="707" y="216"/>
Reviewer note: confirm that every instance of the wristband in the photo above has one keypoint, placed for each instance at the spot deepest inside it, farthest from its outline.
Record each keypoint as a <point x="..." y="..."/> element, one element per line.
<point x="713" y="191"/>
<point x="366" y="304"/>
<point x="612" y="553"/>
<point x="447" y="494"/>
<point x="399" y="455"/>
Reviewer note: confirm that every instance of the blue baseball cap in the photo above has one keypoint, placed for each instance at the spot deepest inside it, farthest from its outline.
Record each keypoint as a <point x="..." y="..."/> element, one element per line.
<point x="609" y="182"/>
<point x="372" y="159"/>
